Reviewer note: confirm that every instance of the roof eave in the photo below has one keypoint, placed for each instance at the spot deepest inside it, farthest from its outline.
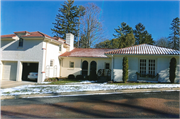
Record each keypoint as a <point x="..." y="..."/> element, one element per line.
<point x="147" y="54"/>
<point x="82" y="57"/>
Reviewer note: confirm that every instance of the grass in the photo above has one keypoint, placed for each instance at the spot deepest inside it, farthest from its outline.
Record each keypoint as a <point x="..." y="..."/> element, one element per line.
<point x="136" y="83"/>
<point x="64" y="81"/>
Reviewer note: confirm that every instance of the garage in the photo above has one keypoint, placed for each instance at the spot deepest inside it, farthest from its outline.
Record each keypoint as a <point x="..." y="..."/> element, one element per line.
<point x="27" y="69"/>
<point x="9" y="70"/>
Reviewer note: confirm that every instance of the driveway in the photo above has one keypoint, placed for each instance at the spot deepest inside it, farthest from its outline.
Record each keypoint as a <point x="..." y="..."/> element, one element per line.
<point x="10" y="84"/>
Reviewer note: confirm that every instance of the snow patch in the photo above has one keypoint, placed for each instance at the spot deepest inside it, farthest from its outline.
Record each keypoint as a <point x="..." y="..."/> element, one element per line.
<point x="77" y="87"/>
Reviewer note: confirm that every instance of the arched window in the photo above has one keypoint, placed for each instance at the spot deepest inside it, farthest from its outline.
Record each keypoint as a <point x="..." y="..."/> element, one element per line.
<point x="84" y="68"/>
<point x="93" y="67"/>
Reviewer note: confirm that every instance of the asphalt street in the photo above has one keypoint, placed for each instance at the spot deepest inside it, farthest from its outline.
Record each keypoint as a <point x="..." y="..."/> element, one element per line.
<point x="131" y="105"/>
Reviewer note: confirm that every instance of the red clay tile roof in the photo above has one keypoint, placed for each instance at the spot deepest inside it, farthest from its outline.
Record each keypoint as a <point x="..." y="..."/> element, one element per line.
<point x="33" y="34"/>
<point x="86" y="52"/>
<point x="8" y="36"/>
<point x="21" y="32"/>
<point x="58" y="38"/>
<point x="145" y="49"/>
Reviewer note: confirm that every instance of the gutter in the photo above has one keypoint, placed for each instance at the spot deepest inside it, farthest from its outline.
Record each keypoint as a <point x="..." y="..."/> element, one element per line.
<point x="45" y="59"/>
<point x="84" y="57"/>
<point x="112" y="71"/>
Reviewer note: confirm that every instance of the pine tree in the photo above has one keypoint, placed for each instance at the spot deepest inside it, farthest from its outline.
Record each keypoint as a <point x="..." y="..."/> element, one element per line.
<point x="67" y="20"/>
<point x="174" y="36"/>
<point x="142" y="36"/>
<point x="124" y="35"/>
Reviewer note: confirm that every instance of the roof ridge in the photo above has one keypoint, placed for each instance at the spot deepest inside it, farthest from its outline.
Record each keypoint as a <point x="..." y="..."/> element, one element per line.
<point x="143" y="48"/>
<point x="41" y="33"/>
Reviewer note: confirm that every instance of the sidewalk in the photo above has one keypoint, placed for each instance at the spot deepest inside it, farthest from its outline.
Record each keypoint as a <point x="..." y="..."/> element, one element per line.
<point x="90" y="93"/>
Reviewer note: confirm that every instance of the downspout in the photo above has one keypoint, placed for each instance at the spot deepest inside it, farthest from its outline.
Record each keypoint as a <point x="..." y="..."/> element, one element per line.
<point x="112" y="71"/>
<point x="60" y="66"/>
<point x="45" y="60"/>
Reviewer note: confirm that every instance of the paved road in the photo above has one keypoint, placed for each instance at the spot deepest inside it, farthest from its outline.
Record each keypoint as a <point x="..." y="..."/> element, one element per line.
<point x="133" y="105"/>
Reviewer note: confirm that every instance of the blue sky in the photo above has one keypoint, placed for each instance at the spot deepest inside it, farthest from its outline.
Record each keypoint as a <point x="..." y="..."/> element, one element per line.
<point x="30" y="16"/>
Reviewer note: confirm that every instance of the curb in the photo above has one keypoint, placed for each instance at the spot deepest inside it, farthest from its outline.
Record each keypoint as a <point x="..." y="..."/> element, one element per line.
<point x="85" y="93"/>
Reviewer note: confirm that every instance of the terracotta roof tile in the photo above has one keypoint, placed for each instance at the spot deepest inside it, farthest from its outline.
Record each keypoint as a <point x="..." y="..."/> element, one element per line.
<point x="10" y="35"/>
<point x="86" y="52"/>
<point x="21" y="32"/>
<point x="34" y="34"/>
<point x="145" y="49"/>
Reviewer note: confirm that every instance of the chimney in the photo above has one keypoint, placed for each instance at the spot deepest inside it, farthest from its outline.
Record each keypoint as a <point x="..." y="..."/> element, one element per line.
<point x="70" y="40"/>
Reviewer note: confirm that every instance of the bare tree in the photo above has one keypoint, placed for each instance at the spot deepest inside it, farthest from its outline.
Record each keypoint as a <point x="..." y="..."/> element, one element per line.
<point x="91" y="26"/>
<point x="163" y="42"/>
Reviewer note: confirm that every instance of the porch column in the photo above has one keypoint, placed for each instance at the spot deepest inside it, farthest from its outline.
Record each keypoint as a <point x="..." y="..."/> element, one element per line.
<point x="89" y="62"/>
<point x="19" y="71"/>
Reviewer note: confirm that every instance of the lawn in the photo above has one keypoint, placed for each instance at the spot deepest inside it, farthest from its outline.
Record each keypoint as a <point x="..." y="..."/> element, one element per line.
<point x="140" y="83"/>
<point x="63" y="81"/>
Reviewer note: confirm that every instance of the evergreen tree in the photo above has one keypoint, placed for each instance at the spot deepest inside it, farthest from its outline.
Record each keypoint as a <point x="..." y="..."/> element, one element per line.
<point x="125" y="69"/>
<point x="67" y="20"/>
<point x="104" y="44"/>
<point x="174" y="36"/>
<point x="124" y="36"/>
<point x="172" y="70"/>
<point x="142" y="36"/>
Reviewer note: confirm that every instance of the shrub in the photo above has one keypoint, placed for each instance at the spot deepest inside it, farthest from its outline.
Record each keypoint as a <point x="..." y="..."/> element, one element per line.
<point x="71" y="76"/>
<point x="125" y="69"/>
<point x="93" y="76"/>
<point x="51" y="79"/>
<point x="87" y="78"/>
<point x="79" y="77"/>
<point x="172" y="70"/>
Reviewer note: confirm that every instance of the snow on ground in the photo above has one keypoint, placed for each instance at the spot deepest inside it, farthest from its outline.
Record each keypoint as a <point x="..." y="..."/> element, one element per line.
<point x="77" y="87"/>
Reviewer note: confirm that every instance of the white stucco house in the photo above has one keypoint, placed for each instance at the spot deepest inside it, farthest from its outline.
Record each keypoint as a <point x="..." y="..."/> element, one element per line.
<point x="24" y="52"/>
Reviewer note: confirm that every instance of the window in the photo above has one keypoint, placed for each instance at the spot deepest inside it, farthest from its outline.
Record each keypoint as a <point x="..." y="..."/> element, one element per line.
<point x="51" y="63"/>
<point x="20" y="42"/>
<point x="143" y="66"/>
<point x="106" y="65"/>
<point x="147" y="66"/>
<point x="71" y="64"/>
<point x="59" y="47"/>
<point x="152" y="67"/>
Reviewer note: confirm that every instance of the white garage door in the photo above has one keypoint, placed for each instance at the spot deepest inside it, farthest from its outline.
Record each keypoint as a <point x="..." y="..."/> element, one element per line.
<point x="9" y="70"/>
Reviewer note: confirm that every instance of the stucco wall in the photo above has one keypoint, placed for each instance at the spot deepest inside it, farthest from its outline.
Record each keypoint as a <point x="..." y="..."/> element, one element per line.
<point x="133" y="68"/>
<point x="52" y="54"/>
<point x="65" y="70"/>
<point x="162" y="67"/>
<point x="117" y="69"/>
<point x="30" y="52"/>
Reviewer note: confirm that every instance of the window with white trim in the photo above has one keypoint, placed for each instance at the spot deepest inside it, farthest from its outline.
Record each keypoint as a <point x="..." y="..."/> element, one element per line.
<point x="71" y="64"/>
<point x="143" y="66"/>
<point x="147" y="66"/>
<point x="59" y="47"/>
<point x="51" y="63"/>
<point x="20" y="42"/>
<point x="152" y="67"/>
<point x="106" y="65"/>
